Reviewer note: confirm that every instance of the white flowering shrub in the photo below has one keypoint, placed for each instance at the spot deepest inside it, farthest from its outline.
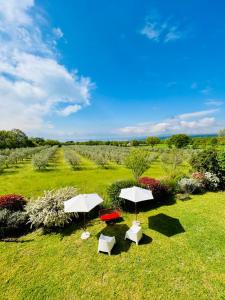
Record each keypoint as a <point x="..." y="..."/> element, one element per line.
<point x="189" y="186"/>
<point x="212" y="181"/>
<point x="48" y="211"/>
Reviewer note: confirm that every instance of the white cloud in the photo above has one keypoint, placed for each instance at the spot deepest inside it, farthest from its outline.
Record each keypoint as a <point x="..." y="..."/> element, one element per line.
<point x="195" y="114"/>
<point x="157" y="30"/>
<point x="195" y="122"/>
<point x="70" y="109"/>
<point x="58" y="32"/>
<point x="33" y="84"/>
<point x="214" y="102"/>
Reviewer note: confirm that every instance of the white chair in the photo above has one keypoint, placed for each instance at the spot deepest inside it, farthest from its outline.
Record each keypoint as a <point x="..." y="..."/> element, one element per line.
<point x="106" y="243"/>
<point x="134" y="233"/>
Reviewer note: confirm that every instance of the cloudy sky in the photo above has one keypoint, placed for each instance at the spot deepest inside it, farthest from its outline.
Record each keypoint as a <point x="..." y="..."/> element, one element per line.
<point x="101" y="69"/>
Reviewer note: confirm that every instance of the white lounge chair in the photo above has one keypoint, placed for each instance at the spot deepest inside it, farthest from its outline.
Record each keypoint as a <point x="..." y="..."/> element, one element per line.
<point x="106" y="243"/>
<point x="134" y="233"/>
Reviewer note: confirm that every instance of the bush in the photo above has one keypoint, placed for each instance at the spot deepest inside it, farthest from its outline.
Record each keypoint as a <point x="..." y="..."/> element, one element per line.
<point x="12" y="223"/>
<point x="212" y="181"/>
<point x="160" y="191"/>
<point x="190" y="186"/>
<point x="12" y="202"/>
<point x="206" y="161"/>
<point x="48" y="211"/>
<point x="114" y="191"/>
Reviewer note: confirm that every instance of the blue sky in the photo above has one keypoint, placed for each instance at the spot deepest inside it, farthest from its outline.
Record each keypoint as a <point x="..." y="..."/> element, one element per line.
<point x="101" y="69"/>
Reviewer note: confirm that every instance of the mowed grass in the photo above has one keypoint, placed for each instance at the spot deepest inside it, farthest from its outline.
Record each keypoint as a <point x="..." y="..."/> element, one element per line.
<point x="182" y="254"/>
<point x="90" y="178"/>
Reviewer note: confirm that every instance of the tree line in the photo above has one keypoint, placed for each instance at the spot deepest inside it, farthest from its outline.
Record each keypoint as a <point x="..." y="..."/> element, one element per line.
<point x="18" y="139"/>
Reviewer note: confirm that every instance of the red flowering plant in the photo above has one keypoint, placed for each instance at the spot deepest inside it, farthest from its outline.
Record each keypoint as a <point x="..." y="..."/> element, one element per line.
<point x="159" y="190"/>
<point x="12" y="202"/>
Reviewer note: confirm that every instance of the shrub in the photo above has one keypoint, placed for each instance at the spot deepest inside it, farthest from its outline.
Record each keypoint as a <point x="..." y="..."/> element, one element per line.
<point x="12" y="202"/>
<point x="12" y="223"/>
<point x="212" y="181"/>
<point x="206" y="161"/>
<point x="190" y="186"/>
<point x="160" y="191"/>
<point x="48" y="211"/>
<point x="114" y="191"/>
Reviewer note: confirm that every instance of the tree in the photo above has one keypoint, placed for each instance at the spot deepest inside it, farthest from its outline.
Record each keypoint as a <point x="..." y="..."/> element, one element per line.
<point x="179" y="140"/>
<point x="134" y="143"/>
<point x="171" y="162"/>
<point x="137" y="161"/>
<point x="13" y="139"/>
<point x="213" y="141"/>
<point x="152" y="141"/>
<point x="222" y="133"/>
<point x="206" y="161"/>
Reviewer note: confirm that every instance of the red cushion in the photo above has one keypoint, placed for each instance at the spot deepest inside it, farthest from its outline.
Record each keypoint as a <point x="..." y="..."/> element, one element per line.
<point x="110" y="216"/>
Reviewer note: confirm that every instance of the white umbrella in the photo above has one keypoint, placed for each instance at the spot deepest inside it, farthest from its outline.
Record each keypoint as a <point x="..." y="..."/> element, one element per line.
<point x="136" y="194"/>
<point x="82" y="203"/>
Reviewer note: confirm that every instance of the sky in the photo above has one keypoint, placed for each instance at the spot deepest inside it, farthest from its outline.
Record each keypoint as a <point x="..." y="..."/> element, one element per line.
<point x="88" y="69"/>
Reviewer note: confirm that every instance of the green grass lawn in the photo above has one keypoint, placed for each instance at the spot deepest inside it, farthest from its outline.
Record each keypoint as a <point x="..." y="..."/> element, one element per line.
<point x="23" y="179"/>
<point x="182" y="254"/>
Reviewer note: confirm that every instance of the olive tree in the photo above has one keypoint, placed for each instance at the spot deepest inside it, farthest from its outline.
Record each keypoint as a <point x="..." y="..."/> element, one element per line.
<point x="138" y="162"/>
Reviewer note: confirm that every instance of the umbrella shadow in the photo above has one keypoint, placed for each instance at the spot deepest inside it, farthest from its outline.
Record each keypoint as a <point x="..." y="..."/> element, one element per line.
<point x="166" y="225"/>
<point x="117" y="230"/>
<point x="145" y="240"/>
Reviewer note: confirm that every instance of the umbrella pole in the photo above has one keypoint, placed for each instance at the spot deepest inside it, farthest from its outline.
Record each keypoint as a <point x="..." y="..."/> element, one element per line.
<point x="136" y="210"/>
<point x="84" y="223"/>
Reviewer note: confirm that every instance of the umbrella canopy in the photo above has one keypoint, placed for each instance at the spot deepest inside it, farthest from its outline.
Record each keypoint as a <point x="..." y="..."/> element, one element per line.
<point x="136" y="194"/>
<point x="82" y="203"/>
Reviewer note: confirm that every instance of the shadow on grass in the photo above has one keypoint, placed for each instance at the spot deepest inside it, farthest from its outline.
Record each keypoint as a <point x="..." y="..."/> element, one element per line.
<point x="146" y="205"/>
<point x="165" y="225"/>
<point x="145" y="240"/>
<point x="117" y="230"/>
<point x="15" y="240"/>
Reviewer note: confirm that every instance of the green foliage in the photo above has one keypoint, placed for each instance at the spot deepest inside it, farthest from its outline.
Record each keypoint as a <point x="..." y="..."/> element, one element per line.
<point x="190" y="186"/>
<point x="179" y="140"/>
<point x="13" y="139"/>
<point x="135" y="143"/>
<point x="152" y="141"/>
<point x="40" y="160"/>
<point x="171" y="163"/>
<point x="222" y="133"/>
<point x="72" y="158"/>
<point x="137" y="161"/>
<point x="12" y="223"/>
<point x="206" y="161"/>
<point x="221" y="160"/>
<point x="114" y="189"/>
<point x="48" y="210"/>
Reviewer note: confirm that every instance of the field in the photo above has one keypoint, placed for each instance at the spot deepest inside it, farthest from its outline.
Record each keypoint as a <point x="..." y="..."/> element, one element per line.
<point x="181" y="255"/>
